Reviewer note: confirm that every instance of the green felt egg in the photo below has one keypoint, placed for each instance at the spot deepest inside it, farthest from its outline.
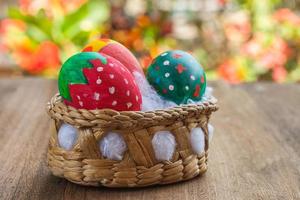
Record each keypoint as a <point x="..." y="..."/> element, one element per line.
<point x="177" y="76"/>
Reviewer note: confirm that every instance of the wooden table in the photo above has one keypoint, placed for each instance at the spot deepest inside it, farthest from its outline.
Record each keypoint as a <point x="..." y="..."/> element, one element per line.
<point x="255" y="152"/>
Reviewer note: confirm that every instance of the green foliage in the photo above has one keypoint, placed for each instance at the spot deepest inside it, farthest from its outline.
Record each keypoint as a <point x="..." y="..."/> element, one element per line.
<point x="73" y="28"/>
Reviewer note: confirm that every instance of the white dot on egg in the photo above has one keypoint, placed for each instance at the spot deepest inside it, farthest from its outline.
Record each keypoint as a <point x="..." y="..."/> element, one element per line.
<point x="99" y="69"/>
<point x="96" y="96"/>
<point x="167" y="75"/>
<point x="80" y="103"/>
<point x="134" y="82"/>
<point x="111" y="90"/>
<point x="111" y="64"/>
<point x="114" y="103"/>
<point x="111" y="76"/>
<point x="126" y="81"/>
<point x="128" y="93"/>
<point x="129" y="104"/>
<point x="137" y="98"/>
<point x="78" y="97"/>
<point x="164" y="54"/>
<point x="98" y="81"/>
<point x="192" y="77"/>
<point x="171" y="87"/>
<point x="186" y="87"/>
<point x="166" y="62"/>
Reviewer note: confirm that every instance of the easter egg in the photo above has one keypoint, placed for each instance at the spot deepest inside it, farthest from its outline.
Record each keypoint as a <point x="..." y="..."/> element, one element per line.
<point x="91" y="80"/>
<point x="115" y="50"/>
<point x="177" y="76"/>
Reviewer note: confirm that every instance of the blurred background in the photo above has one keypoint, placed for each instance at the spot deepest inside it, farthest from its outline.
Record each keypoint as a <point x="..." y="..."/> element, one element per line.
<point x="234" y="40"/>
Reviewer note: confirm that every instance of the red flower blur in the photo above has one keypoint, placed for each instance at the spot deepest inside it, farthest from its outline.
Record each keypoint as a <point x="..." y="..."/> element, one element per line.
<point x="11" y="33"/>
<point x="230" y="72"/>
<point x="237" y="27"/>
<point x="286" y="15"/>
<point x="279" y="74"/>
<point x="274" y="54"/>
<point x="35" y="61"/>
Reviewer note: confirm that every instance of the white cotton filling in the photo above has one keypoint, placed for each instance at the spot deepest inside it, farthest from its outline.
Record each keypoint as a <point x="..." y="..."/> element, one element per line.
<point x="113" y="146"/>
<point x="150" y="99"/>
<point x="153" y="101"/>
<point x="163" y="144"/>
<point x="197" y="140"/>
<point x="67" y="136"/>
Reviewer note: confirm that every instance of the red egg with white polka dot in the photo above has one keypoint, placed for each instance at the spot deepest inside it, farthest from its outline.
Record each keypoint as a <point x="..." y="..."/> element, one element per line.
<point x="91" y="80"/>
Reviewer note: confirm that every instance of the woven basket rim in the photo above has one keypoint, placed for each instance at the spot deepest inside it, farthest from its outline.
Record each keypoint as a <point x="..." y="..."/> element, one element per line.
<point x="104" y="118"/>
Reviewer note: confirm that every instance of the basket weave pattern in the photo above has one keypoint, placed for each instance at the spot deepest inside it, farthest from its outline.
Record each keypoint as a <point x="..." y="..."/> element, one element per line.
<point x="85" y="165"/>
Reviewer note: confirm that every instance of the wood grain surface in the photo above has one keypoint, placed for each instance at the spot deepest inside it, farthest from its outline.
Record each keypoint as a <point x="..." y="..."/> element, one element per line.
<point x="255" y="152"/>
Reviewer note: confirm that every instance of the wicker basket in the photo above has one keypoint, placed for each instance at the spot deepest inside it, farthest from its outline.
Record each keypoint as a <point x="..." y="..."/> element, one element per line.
<point x="85" y="165"/>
